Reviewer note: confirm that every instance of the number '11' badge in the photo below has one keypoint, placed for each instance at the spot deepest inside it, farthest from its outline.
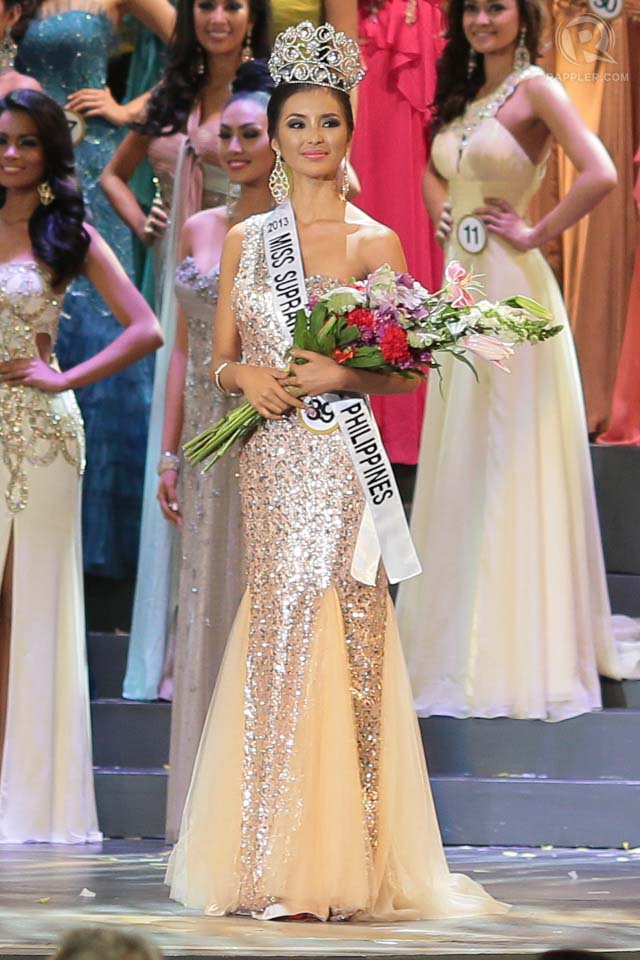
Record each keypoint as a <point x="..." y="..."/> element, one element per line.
<point x="472" y="234"/>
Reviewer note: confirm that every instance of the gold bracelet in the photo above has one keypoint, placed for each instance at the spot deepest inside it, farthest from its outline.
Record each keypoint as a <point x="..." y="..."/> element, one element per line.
<point x="216" y="379"/>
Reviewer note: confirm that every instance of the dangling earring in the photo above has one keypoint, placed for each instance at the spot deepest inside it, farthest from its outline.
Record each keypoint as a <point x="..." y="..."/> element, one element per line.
<point x="45" y="193"/>
<point x="200" y="62"/>
<point x="472" y="62"/>
<point x="279" y="181"/>
<point x="247" y="50"/>
<point x="345" y="185"/>
<point x="522" y="57"/>
<point x="8" y="51"/>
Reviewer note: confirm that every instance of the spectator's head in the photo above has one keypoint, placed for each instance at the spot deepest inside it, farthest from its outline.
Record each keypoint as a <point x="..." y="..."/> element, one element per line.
<point x="99" y="943"/>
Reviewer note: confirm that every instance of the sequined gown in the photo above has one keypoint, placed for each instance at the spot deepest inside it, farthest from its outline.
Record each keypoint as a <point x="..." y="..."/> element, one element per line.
<point x="46" y="776"/>
<point x="67" y="48"/>
<point x="310" y="791"/>
<point x="511" y="616"/>
<point x="211" y="550"/>
<point x="190" y="181"/>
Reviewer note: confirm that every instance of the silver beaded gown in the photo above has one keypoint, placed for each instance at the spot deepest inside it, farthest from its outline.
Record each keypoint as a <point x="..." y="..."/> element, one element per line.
<point x="211" y="549"/>
<point x="46" y="774"/>
<point x="310" y="792"/>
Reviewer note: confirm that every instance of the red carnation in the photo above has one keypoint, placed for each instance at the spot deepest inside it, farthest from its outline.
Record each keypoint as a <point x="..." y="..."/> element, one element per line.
<point x="362" y="319"/>
<point x="394" y="346"/>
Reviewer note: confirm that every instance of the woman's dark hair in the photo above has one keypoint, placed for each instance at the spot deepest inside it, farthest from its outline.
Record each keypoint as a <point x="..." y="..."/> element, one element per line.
<point x="282" y="93"/>
<point x="57" y="232"/>
<point x="173" y="99"/>
<point x="252" y="82"/>
<point x="454" y="89"/>
<point x="27" y="11"/>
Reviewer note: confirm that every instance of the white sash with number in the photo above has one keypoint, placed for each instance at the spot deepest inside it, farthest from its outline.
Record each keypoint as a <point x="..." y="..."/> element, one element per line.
<point x="383" y="530"/>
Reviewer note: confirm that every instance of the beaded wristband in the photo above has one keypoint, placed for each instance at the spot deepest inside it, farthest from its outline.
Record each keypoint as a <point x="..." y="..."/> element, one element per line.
<point x="168" y="461"/>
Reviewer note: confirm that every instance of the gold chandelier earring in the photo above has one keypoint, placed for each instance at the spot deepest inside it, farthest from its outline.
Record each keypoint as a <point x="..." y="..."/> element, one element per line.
<point x="45" y="193"/>
<point x="278" y="180"/>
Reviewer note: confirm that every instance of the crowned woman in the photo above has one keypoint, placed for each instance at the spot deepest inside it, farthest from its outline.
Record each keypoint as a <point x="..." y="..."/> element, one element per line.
<point x="310" y="797"/>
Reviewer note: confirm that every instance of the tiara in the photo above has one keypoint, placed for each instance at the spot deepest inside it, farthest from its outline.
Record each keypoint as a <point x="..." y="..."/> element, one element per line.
<point x="319" y="55"/>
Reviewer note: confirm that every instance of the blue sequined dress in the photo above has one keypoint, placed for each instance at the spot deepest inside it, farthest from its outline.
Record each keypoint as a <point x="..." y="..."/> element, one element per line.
<point x="65" y="51"/>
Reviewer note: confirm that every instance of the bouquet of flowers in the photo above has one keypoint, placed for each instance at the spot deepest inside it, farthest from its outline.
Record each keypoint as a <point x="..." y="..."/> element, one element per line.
<point x="390" y="323"/>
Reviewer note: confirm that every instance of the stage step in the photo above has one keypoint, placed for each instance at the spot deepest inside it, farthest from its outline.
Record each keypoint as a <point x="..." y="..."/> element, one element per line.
<point x="131" y="803"/>
<point x="537" y="812"/>
<point x="476" y="811"/>
<point x="107" y="660"/>
<point x="130" y="734"/>
<point x="595" y="746"/>
<point x="616" y="472"/>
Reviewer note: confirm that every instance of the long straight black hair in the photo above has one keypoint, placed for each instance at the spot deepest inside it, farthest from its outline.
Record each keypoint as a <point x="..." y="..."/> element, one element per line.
<point x="57" y="232"/>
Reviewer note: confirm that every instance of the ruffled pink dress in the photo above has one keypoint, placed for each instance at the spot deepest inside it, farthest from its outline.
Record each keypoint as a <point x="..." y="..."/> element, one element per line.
<point x="401" y="43"/>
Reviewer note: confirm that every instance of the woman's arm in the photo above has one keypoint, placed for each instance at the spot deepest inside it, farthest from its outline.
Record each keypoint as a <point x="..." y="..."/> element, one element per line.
<point x="343" y="15"/>
<point x="174" y="403"/>
<point x="435" y="193"/>
<point x="596" y="172"/>
<point x="322" y="374"/>
<point x="114" y="182"/>
<point x="261" y="385"/>
<point x="160" y="17"/>
<point x="141" y="335"/>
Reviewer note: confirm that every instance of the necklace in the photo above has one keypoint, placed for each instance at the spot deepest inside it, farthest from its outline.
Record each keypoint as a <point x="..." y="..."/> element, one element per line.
<point x="12" y="223"/>
<point x="479" y="110"/>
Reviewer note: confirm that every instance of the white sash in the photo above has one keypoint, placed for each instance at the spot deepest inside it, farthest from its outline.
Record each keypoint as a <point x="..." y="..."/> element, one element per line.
<point x="383" y="529"/>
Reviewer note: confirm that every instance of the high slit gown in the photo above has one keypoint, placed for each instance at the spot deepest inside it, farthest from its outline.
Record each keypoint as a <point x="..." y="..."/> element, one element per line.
<point x="46" y="775"/>
<point x="310" y="792"/>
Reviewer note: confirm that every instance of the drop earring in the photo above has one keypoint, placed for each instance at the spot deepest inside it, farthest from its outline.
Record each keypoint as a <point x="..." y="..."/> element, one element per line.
<point x="278" y="180"/>
<point x="8" y="51"/>
<point x="201" y="67"/>
<point x="45" y="193"/>
<point x="247" y="50"/>
<point x="522" y="57"/>
<point x="472" y="62"/>
<point x="345" y="186"/>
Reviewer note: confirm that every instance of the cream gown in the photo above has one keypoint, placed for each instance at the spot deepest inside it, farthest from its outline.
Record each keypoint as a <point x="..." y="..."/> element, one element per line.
<point x="511" y="614"/>
<point x="46" y="776"/>
<point x="310" y="792"/>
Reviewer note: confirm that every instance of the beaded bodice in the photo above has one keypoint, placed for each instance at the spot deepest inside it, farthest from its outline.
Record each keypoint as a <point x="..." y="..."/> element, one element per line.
<point x="265" y="339"/>
<point x="67" y="48"/>
<point x="197" y="294"/>
<point x="480" y="157"/>
<point x="34" y="426"/>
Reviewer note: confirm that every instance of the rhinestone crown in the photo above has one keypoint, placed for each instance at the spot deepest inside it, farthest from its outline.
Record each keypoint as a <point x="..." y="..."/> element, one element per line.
<point x="319" y="55"/>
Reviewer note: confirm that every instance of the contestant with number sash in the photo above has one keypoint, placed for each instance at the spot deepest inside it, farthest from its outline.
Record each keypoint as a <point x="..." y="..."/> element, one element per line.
<point x="512" y="614"/>
<point x="310" y="795"/>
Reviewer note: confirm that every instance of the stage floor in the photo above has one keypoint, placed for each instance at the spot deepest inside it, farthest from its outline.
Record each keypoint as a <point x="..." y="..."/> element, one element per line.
<point x="560" y="898"/>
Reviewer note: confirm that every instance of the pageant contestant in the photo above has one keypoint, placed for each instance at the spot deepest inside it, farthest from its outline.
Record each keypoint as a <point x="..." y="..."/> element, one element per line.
<point x="46" y="775"/>
<point x="310" y="795"/>
<point x="180" y="138"/>
<point x="207" y="505"/>
<point x="11" y="22"/>
<point x="66" y="48"/>
<point x="511" y="616"/>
